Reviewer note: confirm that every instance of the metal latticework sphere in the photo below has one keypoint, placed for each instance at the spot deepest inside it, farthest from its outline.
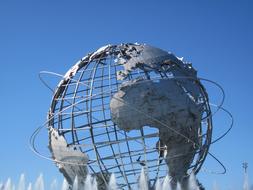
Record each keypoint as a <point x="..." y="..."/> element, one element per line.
<point x="127" y="107"/>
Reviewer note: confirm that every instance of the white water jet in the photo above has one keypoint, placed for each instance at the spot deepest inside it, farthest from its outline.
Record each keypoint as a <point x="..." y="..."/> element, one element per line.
<point x="21" y="183"/>
<point x="29" y="186"/>
<point x="65" y="185"/>
<point x="192" y="183"/>
<point x="166" y="183"/>
<point x="54" y="185"/>
<point x="8" y="185"/>
<point x="94" y="184"/>
<point x="39" y="184"/>
<point x="75" y="184"/>
<point x="112" y="183"/>
<point x="158" y="185"/>
<point x="91" y="184"/>
<point x="143" y="184"/>
<point x="88" y="182"/>
<point x="178" y="186"/>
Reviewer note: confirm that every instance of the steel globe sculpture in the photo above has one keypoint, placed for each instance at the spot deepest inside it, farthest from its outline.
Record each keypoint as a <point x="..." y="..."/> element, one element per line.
<point x="127" y="107"/>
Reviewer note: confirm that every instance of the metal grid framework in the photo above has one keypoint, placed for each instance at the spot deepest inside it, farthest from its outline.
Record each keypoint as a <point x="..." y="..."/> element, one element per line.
<point x="81" y="113"/>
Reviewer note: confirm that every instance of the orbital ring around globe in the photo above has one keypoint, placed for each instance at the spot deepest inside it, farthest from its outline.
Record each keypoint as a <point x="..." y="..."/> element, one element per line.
<point x="219" y="107"/>
<point x="89" y="85"/>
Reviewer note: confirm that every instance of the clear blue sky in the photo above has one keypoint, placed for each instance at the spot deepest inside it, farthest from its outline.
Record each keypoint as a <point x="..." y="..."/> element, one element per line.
<point x="216" y="36"/>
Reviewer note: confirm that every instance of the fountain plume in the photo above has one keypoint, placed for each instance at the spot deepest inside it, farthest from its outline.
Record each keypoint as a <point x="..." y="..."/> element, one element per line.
<point x="88" y="182"/>
<point x="143" y="184"/>
<point x="65" y="185"/>
<point x="178" y="186"/>
<point x="75" y="184"/>
<point x="39" y="184"/>
<point x="94" y="184"/>
<point x="21" y="184"/>
<point x="158" y="185"/>
<point x="166" y="183"/>
<point x="29" y="186"/>
<point x="192" y="182"/>
<point x="8" y="185"/>
<point x="54" y="185"/>
<point x="112" y="183"/>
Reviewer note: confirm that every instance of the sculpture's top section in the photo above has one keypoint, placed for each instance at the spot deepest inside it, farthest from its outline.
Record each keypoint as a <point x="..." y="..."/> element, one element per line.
<point x="142" y="56"/>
